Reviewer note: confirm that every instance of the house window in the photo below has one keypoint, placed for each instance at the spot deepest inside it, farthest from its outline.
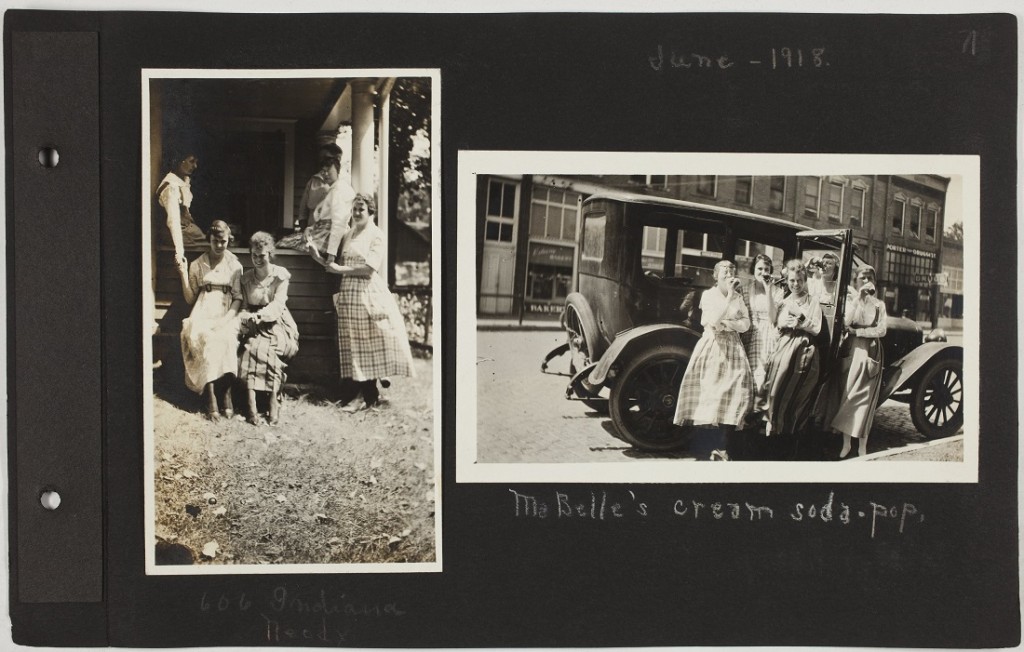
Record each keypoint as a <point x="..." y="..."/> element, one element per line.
<point x="812" y="196"/>
<point x="553" y="213"/>
<point x="706" y="185"/>
<point x="915" y="221"/>
<point x="931" y="224"/>
<point x="743" y="188"/>
<point x="856" y="207"/>
<point x="777" y="194"/>
<point x="899" y="208"/>
<point x="502" y="197"/>
<point x="835" y="201"/>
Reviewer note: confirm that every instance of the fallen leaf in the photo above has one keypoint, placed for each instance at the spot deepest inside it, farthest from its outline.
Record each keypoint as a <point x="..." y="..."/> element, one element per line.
<point x="334" y="541"/>
<point x="220" y="511"/>
<point x="211" y="549"/>
<point x="280" y="498"/>
<point x="406" y="532"/>
<point x="392" y="540"/>
<point x="188" y="474"/>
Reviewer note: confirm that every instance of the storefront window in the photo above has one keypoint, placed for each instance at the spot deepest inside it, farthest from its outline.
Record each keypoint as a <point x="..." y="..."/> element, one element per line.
<point x="856" y="213"/>
<point x="706" y="185"/>
<point x="777" y="194"/>
<point x="835" y="201"/>
<point x="812" y="196"/>
<point x="930" y="224"/>
<point x="898" y="210"/>
<point x="915" y="221"/>
<point x="743" y="190"/>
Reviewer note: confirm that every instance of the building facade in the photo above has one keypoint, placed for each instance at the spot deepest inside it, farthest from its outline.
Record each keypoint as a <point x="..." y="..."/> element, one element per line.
<point x="526" y="229"/>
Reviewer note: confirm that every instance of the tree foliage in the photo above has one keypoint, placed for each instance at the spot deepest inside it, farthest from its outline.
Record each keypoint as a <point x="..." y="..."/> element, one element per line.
<point x="955" y="231"/>
<point x="410" y="144"/>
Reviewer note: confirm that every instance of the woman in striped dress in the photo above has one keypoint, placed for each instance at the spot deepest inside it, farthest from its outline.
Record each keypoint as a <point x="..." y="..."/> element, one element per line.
<point x="372" y="340"/>
<point x="270" y="336"/>
<point x="791" y="375"/>
<point x="759" y="341"/>
<point x="717" y="386"/>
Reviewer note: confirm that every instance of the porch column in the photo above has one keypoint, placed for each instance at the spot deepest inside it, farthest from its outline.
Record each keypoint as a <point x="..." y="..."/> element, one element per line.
<point x="363" y="92"/>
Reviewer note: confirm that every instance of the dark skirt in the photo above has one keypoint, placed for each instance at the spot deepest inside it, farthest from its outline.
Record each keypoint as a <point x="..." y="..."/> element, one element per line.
<point x="790" y="387"/>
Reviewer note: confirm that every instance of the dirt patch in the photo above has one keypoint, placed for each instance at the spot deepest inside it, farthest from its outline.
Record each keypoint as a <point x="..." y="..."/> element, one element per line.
<point x="321" y="487"/>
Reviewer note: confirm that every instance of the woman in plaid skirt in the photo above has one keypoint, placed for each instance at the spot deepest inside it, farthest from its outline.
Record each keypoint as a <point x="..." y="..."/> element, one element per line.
<point x="270" y="335"/>
<point x="372" y="341"/>
<point x="717" y="386"/>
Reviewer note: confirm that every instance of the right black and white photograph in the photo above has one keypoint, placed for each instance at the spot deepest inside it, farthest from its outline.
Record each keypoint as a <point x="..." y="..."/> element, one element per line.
<point x="811" y="312"/>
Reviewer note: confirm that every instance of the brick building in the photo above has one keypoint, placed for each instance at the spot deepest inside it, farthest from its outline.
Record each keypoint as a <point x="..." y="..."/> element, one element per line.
<point x="526" y="228"/>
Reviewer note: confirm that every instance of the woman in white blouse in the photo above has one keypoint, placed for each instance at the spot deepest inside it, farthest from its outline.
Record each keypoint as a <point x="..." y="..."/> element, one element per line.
<point x="852" y="393"/>
<point x="717" y="387"/>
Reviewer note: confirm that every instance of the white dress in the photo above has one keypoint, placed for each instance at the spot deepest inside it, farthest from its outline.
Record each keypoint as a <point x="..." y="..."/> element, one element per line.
<point x="209" y="344"/>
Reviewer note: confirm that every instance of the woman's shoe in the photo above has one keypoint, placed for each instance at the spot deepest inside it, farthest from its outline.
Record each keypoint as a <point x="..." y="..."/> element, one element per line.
<point x="355" y="405"/>
<point x="214" y="416"/>
<point x="720" y="456"/>
<point x="229" y="413"/>
<point x="256" y="420"/>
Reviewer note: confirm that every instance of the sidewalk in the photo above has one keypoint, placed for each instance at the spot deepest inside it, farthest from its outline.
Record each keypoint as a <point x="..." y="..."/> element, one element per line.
<point x="513" y="324"/>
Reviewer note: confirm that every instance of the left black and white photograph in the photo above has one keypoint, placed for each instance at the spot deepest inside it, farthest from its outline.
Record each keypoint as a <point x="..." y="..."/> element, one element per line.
<point x="291" y="320"/>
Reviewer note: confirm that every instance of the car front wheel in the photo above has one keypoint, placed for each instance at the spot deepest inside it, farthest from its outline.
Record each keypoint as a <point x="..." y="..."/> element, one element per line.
<point x="936" y="404"/>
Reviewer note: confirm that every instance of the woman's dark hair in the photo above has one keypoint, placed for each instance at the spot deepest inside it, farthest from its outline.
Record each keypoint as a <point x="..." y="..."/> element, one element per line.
<point x="221" y="228"/>
<point x="766" y="258"/>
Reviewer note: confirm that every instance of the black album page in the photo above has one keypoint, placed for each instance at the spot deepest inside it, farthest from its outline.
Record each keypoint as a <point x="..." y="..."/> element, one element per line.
<point x="546" y="329"/>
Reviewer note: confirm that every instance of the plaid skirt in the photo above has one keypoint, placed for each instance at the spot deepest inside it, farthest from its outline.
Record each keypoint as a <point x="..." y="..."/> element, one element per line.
<point x="372" y="340"/>
<point x="717" y="386"/>
<point x="265" y="350"/>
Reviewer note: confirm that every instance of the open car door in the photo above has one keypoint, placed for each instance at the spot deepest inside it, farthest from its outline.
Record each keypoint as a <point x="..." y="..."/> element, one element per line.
<point x="813" y="245"/>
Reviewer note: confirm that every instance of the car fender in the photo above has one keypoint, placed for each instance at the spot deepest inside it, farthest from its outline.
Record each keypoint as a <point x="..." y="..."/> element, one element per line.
<point x="900" y="374"/>
<point x="589" y="322"/>
<point x="627" y="342"/>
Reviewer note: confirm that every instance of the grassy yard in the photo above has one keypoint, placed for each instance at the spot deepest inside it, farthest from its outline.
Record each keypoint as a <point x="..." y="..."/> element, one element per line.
<point x="321" y="487"/>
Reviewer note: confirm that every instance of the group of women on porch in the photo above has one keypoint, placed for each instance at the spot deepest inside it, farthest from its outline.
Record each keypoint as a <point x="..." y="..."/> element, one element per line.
<point x="240" y="326"/>
<point x="759" y="362"/>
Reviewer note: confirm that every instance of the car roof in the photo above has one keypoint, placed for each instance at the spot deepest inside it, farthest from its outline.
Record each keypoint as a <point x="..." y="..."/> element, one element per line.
<point x="665" y="202"/>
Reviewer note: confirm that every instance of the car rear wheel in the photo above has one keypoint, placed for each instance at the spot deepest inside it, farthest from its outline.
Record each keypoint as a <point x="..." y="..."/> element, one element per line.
<point x="580" y="357"/>
<point x="643" y="399"/>
<point x="936" y="404"/>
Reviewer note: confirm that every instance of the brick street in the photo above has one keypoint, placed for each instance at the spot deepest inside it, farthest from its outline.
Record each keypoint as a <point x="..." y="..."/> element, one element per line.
<point x="523" y="415"/>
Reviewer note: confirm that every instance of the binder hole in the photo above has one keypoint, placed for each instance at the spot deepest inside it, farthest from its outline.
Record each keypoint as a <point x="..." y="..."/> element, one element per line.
<point x="48" y="157"/>
<point x="50" y="500"/>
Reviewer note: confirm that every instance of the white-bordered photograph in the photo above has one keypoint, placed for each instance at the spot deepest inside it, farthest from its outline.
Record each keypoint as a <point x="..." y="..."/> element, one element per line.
<point x="291" y="319"/>
<point x="794" y="317"/>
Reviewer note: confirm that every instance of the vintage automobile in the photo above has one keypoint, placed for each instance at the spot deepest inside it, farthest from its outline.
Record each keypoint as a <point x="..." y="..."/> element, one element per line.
<point x="633" y="318"/>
